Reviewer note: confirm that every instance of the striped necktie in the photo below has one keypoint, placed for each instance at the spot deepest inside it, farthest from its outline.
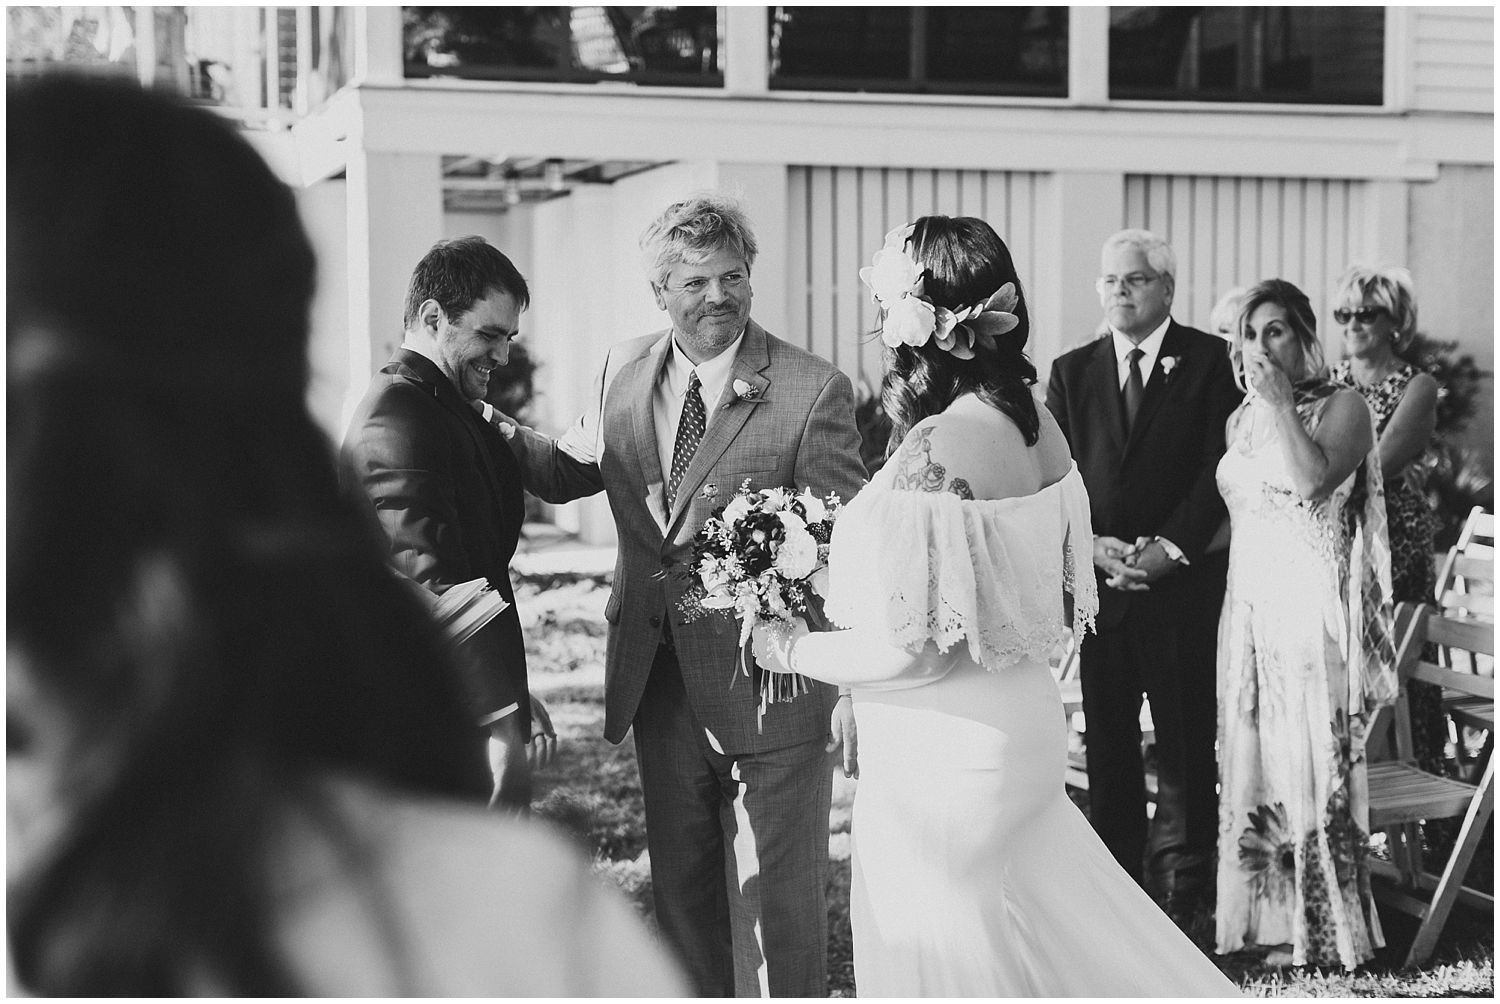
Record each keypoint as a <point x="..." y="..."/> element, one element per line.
<point x="690" y="428"/>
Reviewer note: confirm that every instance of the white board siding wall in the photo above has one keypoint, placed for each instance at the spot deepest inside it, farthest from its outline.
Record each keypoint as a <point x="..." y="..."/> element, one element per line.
<point x="1231" y="232"/>
<point x="1226" y="232"/>
<point x="1452" y="59"/>
<point x="837" y="219"/>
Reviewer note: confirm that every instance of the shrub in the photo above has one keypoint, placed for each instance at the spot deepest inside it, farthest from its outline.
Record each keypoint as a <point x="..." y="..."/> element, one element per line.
<point x="1455" y="478"/>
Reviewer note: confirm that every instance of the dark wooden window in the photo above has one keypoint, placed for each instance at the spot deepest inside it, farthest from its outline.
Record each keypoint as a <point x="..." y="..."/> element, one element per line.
<point x="644" y="45"/>
<point x="933" y="50"/>
<point x="1296" y="55"/>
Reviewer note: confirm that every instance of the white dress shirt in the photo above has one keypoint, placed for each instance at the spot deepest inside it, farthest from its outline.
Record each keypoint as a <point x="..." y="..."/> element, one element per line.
<point x="1150" y="346"/>
<point x="666" y="409"/>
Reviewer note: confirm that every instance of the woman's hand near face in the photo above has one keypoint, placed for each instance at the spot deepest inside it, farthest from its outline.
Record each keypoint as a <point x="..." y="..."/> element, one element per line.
<point x="1268" y="379"/>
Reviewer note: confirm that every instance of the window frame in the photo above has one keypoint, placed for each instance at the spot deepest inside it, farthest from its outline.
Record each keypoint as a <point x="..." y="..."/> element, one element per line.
<point x="916" y="81"/>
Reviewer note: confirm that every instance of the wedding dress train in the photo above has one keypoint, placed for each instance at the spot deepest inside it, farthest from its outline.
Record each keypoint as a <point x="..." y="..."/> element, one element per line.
<point x="973" y="874"/>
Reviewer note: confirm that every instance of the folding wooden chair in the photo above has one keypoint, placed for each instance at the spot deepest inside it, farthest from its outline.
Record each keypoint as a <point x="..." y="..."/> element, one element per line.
<point x="1466" y="589"/>
<point x="1466" y="578"/>
<point x="1402" y="794"/>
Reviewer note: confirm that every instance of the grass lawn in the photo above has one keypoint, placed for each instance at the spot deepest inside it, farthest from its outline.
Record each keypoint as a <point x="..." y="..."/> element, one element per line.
<point x="593" y="790"/>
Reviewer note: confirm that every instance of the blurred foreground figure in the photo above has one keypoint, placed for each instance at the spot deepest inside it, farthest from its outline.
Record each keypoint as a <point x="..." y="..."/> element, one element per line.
<point x="236" y="748"/>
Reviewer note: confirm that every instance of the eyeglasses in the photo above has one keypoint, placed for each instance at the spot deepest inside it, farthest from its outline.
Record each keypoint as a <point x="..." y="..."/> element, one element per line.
<point x="1135" y="280"/>
<point x="694" y="286"/>
<point x="1364" y="315"/>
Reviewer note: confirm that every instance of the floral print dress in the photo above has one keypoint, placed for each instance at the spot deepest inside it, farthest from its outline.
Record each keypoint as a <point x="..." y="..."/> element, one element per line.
<point x="1409" y="517"/>
<point x="1294" y="705"/>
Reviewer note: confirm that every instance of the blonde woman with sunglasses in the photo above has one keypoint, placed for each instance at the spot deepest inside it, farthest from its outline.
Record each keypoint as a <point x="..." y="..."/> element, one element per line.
<point x="1378" y="313"/>
<point x="1377" y="309"/>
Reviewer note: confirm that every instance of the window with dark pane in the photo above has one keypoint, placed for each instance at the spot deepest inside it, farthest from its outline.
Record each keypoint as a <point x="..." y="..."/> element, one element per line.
<point x="1290" y="55"/>
<point x="939" y="50"/>
<point x="646" y="45"/>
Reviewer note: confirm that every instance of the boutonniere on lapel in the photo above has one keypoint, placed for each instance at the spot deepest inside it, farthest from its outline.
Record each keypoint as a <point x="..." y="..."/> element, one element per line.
<point x="1168" y="365"/>
<point x="746" y="391"/>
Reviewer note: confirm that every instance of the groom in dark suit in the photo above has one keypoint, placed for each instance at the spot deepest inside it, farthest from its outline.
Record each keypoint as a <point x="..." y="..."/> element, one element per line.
<point x="1144" y="410"/>
<point x="736" y="806"/>
<point x="445" y="487"/>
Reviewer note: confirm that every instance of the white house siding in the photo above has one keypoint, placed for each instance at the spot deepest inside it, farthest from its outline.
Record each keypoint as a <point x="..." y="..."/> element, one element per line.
<point x="1453" y="59"/>
<point x="1452" y="262"/>
<point x="1236" y="231"/>
<point x="837" y="219"/>
<point x="1226" y="232"/>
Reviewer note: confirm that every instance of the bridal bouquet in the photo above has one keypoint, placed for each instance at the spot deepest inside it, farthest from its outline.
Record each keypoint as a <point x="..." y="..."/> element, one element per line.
<point x="754" y="559"/>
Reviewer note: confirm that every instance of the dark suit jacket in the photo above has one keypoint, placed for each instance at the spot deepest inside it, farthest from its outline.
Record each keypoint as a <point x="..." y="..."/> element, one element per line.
<point x="1159" y="479"/>
<point x="794" y="427"/>
<point x="447" y="492"/>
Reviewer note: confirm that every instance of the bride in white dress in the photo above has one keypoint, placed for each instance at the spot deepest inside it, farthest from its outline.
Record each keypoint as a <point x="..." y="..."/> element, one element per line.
<point x="953" y="573"/>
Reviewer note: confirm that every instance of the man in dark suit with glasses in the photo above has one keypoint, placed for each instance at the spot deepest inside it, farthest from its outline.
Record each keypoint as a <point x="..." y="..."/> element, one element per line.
<point x="1144" y="410"/>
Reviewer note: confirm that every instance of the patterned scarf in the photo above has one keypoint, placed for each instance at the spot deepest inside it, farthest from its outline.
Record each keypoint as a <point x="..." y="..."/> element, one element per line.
<point x="1372" y="649"/>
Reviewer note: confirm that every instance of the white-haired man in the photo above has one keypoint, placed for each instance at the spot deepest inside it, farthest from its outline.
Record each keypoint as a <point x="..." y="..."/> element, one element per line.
<point x="1144" y="410"/>
<point x="736" y="808"/>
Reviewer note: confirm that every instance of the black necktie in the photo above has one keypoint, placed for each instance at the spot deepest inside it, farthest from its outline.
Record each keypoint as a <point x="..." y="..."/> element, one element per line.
<point x="1134" y="388"/>
<point x="690" y="428"/>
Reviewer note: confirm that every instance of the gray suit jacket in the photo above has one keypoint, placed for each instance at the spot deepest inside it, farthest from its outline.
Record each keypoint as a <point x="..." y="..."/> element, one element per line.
<point x="795" y="428"/>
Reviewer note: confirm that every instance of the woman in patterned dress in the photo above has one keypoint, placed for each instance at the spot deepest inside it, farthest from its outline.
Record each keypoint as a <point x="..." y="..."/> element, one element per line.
<point x="1299" y="678"/>
<point x="1379" y="316"/>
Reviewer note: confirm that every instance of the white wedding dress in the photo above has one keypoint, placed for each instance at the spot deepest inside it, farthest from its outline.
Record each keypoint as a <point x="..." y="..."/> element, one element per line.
<point x="973" y="874"/>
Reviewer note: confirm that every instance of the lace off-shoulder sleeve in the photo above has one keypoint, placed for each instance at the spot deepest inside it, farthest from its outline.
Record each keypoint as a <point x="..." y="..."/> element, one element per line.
<point x="916" y="566"/>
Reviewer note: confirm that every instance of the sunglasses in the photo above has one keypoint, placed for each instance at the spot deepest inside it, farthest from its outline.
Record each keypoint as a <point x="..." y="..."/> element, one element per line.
<point x="1364" y="315"/>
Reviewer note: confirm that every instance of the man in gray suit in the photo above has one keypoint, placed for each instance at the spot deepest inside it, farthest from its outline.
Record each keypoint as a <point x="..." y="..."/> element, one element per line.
<point x="736" y="809"/>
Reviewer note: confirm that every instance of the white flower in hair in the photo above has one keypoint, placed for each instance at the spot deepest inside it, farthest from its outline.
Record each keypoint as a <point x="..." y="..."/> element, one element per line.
<point x="892" y="273"/>
<point x="908" y="321"/>
<point x="911" y="318"/>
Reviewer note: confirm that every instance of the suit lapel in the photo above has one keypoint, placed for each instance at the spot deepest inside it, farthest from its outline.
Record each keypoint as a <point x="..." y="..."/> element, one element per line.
<point x="729" y="416"/>
<point x="640" y="384"/>
<point x="1104" y="391"/>
<point x="446" y="395"/>
<point x="1156" y="386"/>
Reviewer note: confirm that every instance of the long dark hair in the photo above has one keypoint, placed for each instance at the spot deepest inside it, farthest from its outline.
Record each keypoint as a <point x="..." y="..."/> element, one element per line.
<point x="965" y="261"/>
<point x="197" y="604"/>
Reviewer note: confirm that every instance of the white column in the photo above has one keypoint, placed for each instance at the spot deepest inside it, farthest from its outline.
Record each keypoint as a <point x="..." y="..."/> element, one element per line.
<point x="145" y="45"/>
<point x="763" y="188"/>
<point x="378" y="49"/>
<point x="1085" y="207"/>
<point x="302" y="93"/>
<point x="747" y="50"/>
<point x="1088" y="55"/>
<point x="395" y="213"/>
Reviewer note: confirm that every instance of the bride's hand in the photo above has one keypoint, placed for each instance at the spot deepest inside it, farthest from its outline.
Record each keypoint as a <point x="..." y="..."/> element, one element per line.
<point x="772" y="644"/>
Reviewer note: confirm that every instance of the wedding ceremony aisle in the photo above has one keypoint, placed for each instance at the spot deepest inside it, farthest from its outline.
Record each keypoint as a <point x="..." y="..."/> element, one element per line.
<point x="593" y="791"/>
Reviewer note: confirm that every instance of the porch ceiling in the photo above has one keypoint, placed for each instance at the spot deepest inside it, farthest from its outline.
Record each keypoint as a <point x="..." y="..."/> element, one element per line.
<point x="499" y="183"/>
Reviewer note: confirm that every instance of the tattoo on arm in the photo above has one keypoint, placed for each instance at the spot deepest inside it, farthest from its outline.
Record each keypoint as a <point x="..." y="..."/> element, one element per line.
<point x="916" y="471"/>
